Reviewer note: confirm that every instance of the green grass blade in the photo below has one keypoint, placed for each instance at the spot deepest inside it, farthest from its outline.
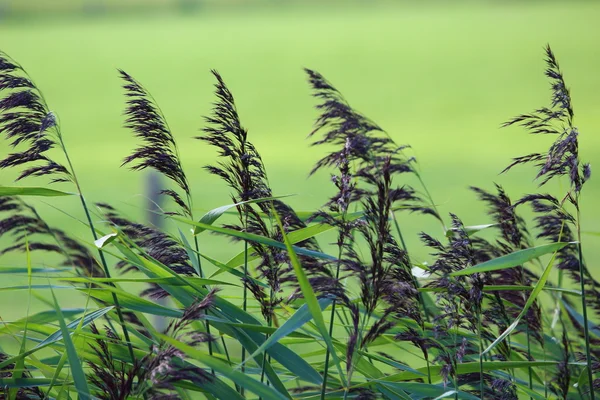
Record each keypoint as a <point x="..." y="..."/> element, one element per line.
<point x="512" y="260"/>
<point x="214" y="214"/>
<point x="226" y="268"/>
<point x="255" y="238"/>
<point x="190" y="252"/>
<point x="85" y="321"/>
<point x="158" y="281"/>
<point x="24" y="382"/>
<point x="310" y="298"/>
<point x="254" y="386"/>
<point x="74" y="362"/>
<point x="427" y="391"/>
<point x="536" y="291"/>
<point x="20" y="364"/>
<point x="295" y="322"/>
<point x="31" y="191"/>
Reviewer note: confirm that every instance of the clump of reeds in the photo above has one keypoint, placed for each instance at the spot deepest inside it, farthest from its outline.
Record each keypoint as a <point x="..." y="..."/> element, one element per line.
<point x="487" y="321"/>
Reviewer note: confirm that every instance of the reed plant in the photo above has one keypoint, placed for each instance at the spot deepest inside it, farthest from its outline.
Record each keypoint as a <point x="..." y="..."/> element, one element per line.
<point x="292" y="315"/>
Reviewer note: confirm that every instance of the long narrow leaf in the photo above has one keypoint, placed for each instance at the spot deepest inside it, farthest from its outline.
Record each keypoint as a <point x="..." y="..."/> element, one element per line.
<point x="31" y="191"/>
<point x="537" y="289"/>
<point x="295" y="322"/>
<point x="310" y="298"/>
<point x="74" y="362"/>
<point x="512" y="260"/>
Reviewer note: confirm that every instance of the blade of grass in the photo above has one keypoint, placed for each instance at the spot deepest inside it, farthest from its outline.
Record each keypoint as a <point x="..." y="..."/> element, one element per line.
<point x="74" y="362"/>
<point x="295" y="322"/>
<point x="264" y="391"/>
<point x="513" y="259"/>
<point x="20" y="364"/>
<point x="32" y="191"/>
<point x="254" y="238"/>
<point x="211" y="216"/>
<point x="310" y="297"/>
<point x="532" y="297"/>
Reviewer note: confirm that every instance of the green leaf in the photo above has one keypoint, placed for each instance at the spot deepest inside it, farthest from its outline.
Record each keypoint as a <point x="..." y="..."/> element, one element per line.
<point x="224" y="369"/>
<point x="164" y="281"/>
<point x="23" y="270"/>
<point x="536" y="291"/>
<point x="255" y="238"/>
<point x="87" y="319"/>
<point x="295" y="237"/>
<point x="43" y="317"/>
<point x="295" y="322"/>
<point x="187" y="294"/>
<point x="20" y="364"/>
<point x="31" y="191"/>
<point x="74" y="362"/>
<point x="210" y="217"/>
<point x="512" y="260"/>
<point x="191" y="254"/>
<point x="427" y="391"/>
<point x="310" y="298"/>
<point x="24" y="382"/>
<point x="37" y="287"/>
<point x="468" y="368"/>
<point x="225" y="268"/>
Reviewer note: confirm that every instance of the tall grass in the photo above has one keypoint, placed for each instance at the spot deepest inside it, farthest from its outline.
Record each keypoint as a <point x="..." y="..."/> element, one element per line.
<point x="286" y="318"/>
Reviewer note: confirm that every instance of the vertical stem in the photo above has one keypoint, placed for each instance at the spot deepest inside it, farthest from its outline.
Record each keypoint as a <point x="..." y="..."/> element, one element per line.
<point x="210" y="349"/>
<point x="245" y="303"/>
<point x="529" y="359"/>
<point x="327" y="353"/>
<point x="584" y="305"/>
<point x="415" y="281"/>
<point x="481" y="381"/>
<point x="95" y="236"/>
<point x="106" y="272"/>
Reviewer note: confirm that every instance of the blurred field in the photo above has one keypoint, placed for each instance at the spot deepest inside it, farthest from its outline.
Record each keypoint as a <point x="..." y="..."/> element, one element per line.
<point x="439" y="77"/>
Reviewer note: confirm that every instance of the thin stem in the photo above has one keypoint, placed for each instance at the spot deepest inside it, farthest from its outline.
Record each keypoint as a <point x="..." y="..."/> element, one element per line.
<point x="430" y="198"/>
<point x="210" y="348"/>
<point x="245" y="303"/>
<point x="107" y="272"/>
<point x="583" y="303"/>
<point x="529" y="371"/>
<point x="481" y="381"/>
<point x="95" y="236"/>
<point x="414" y="278"/>
<point x="327" y="353"/>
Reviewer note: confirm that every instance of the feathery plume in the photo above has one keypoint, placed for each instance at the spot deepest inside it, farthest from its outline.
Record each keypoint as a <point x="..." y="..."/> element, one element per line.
<point x="158" y="150"/>
<point x="26" y="119"/>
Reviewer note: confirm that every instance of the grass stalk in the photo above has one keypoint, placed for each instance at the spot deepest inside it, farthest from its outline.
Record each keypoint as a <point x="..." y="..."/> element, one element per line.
<point x="584" y="303"/>
<point x="101" y="254"/>
<point x="331" y="322"/>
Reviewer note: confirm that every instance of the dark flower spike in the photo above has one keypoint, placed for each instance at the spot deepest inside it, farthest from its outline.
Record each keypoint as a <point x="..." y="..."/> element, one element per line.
<point x="562" y="158"/>
<point x="158" y="245"/>
<point x="26" y="120"/>
<point x="159" y="150"/>
<point x="154" y="376"/>
<point x="29" y="230"/>
<point x="242" y="168"/>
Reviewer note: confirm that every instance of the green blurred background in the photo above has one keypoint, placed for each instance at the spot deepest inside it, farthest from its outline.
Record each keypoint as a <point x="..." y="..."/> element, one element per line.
<point x="440" y="76"/>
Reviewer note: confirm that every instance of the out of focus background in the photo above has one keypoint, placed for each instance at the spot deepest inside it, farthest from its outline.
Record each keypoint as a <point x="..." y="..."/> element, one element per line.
<point x="440" y="76"/>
